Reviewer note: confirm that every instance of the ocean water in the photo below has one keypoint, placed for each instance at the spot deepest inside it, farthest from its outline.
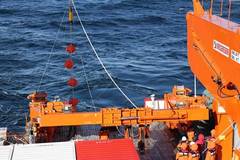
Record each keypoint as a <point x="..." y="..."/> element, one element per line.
<point x="142" y="43"/>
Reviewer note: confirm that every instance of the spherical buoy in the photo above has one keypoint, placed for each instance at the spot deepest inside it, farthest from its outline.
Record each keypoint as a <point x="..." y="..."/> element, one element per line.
<point x="71" y="48"/>
<point x="68" y="64"/>
<point x="73" y="101"/>
<point x="72" y="82"/>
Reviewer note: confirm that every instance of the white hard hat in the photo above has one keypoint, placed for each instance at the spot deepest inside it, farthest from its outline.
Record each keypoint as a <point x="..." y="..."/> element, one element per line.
<point x="191" y="143"/>
<point x="184" y="138"/>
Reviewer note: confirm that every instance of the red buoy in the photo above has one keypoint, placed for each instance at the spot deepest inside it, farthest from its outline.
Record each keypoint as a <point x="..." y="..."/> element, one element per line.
<point x="72" y="82"/>
<point x="68" y="64"/>
<point x="73" y="101"/>
<point x="71" y="48"/>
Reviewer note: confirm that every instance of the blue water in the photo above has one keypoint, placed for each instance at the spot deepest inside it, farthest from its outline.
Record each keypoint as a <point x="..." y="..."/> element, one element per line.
<point x="142" y="43"/>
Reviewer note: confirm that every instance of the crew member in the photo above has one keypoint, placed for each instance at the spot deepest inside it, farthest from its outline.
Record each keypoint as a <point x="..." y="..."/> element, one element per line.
<point x="213" y="133"/>
<point x="211" y="149"/>
<point x="194" y="153"/>
<point x="184" y="139"/>
<point x="200" y="142"/>
<point x="182" y="153"/>
<point x="190" y="135"/>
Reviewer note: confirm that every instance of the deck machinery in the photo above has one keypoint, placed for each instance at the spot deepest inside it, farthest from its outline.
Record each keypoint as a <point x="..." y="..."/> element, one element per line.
<point x="214" y="57"/>
<point x="178" y="107"/>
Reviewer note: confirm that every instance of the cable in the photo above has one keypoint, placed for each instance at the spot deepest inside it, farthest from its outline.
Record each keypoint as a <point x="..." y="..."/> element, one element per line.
<point x="218" y="80"/>
<point x="229" y="9"/>
<point x="222" y="94"/>
<point x="206" y="59"/>
<point x="99" y="59"/>
<point x="86" y="79"/>
<point x="119" y="131"/>
<point x="171" y="106"/>
<point x="122" y="134"/>
<point x="211" y="6"/>
<point x="221" y="8"/>
<point x="51" y="52"/>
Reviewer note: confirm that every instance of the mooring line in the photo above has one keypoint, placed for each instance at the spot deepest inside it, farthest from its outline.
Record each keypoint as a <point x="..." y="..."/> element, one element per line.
<point x="99" y="59"/>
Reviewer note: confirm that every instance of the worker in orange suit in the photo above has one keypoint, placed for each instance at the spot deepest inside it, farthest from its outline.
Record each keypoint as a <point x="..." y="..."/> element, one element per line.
<point x="194" y="153"/>
<point x="190" y="135"/>
<point x="184" y="139"/>
<point x="211" y="150"/>
<point x="182" y="152"/>
<point x="213" y="133"/>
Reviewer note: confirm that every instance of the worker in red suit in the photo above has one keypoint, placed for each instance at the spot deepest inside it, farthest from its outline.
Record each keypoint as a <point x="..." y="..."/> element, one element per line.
<point x="200" y="142"/>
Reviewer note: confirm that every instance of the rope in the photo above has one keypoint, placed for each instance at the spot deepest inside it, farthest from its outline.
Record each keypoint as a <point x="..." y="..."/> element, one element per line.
<point x="119" y="131"/>
<point x="51" y="52"/>
<point x="122" y="134"/>
<point x="86" y="79"/>
<point x="211" y="7"/>
<point x="229" y="9"/>
<point x="221" y="8"/>
<point x="99" y="59"/>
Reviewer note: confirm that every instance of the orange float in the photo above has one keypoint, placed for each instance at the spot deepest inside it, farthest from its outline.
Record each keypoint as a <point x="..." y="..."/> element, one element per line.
<point x="72" y="82"/>
<point x="71" y="48"/>
<point x="73" y="101"/>
<point x="69" y="64"/>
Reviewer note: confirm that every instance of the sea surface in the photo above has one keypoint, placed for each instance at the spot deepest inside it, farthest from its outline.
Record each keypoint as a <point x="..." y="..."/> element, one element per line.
<point x="142" y="44"/>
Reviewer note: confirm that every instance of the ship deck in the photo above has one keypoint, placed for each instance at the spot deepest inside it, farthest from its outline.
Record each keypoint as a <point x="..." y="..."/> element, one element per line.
<point x="160" y="145"/>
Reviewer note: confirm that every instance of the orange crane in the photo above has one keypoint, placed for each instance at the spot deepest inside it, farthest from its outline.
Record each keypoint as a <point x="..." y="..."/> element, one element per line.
<point x="214" y="57"/>
<point x="178" y="107"/>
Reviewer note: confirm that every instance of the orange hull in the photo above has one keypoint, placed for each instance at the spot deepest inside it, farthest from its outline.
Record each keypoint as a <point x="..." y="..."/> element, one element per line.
<point x="214" y="57"/>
